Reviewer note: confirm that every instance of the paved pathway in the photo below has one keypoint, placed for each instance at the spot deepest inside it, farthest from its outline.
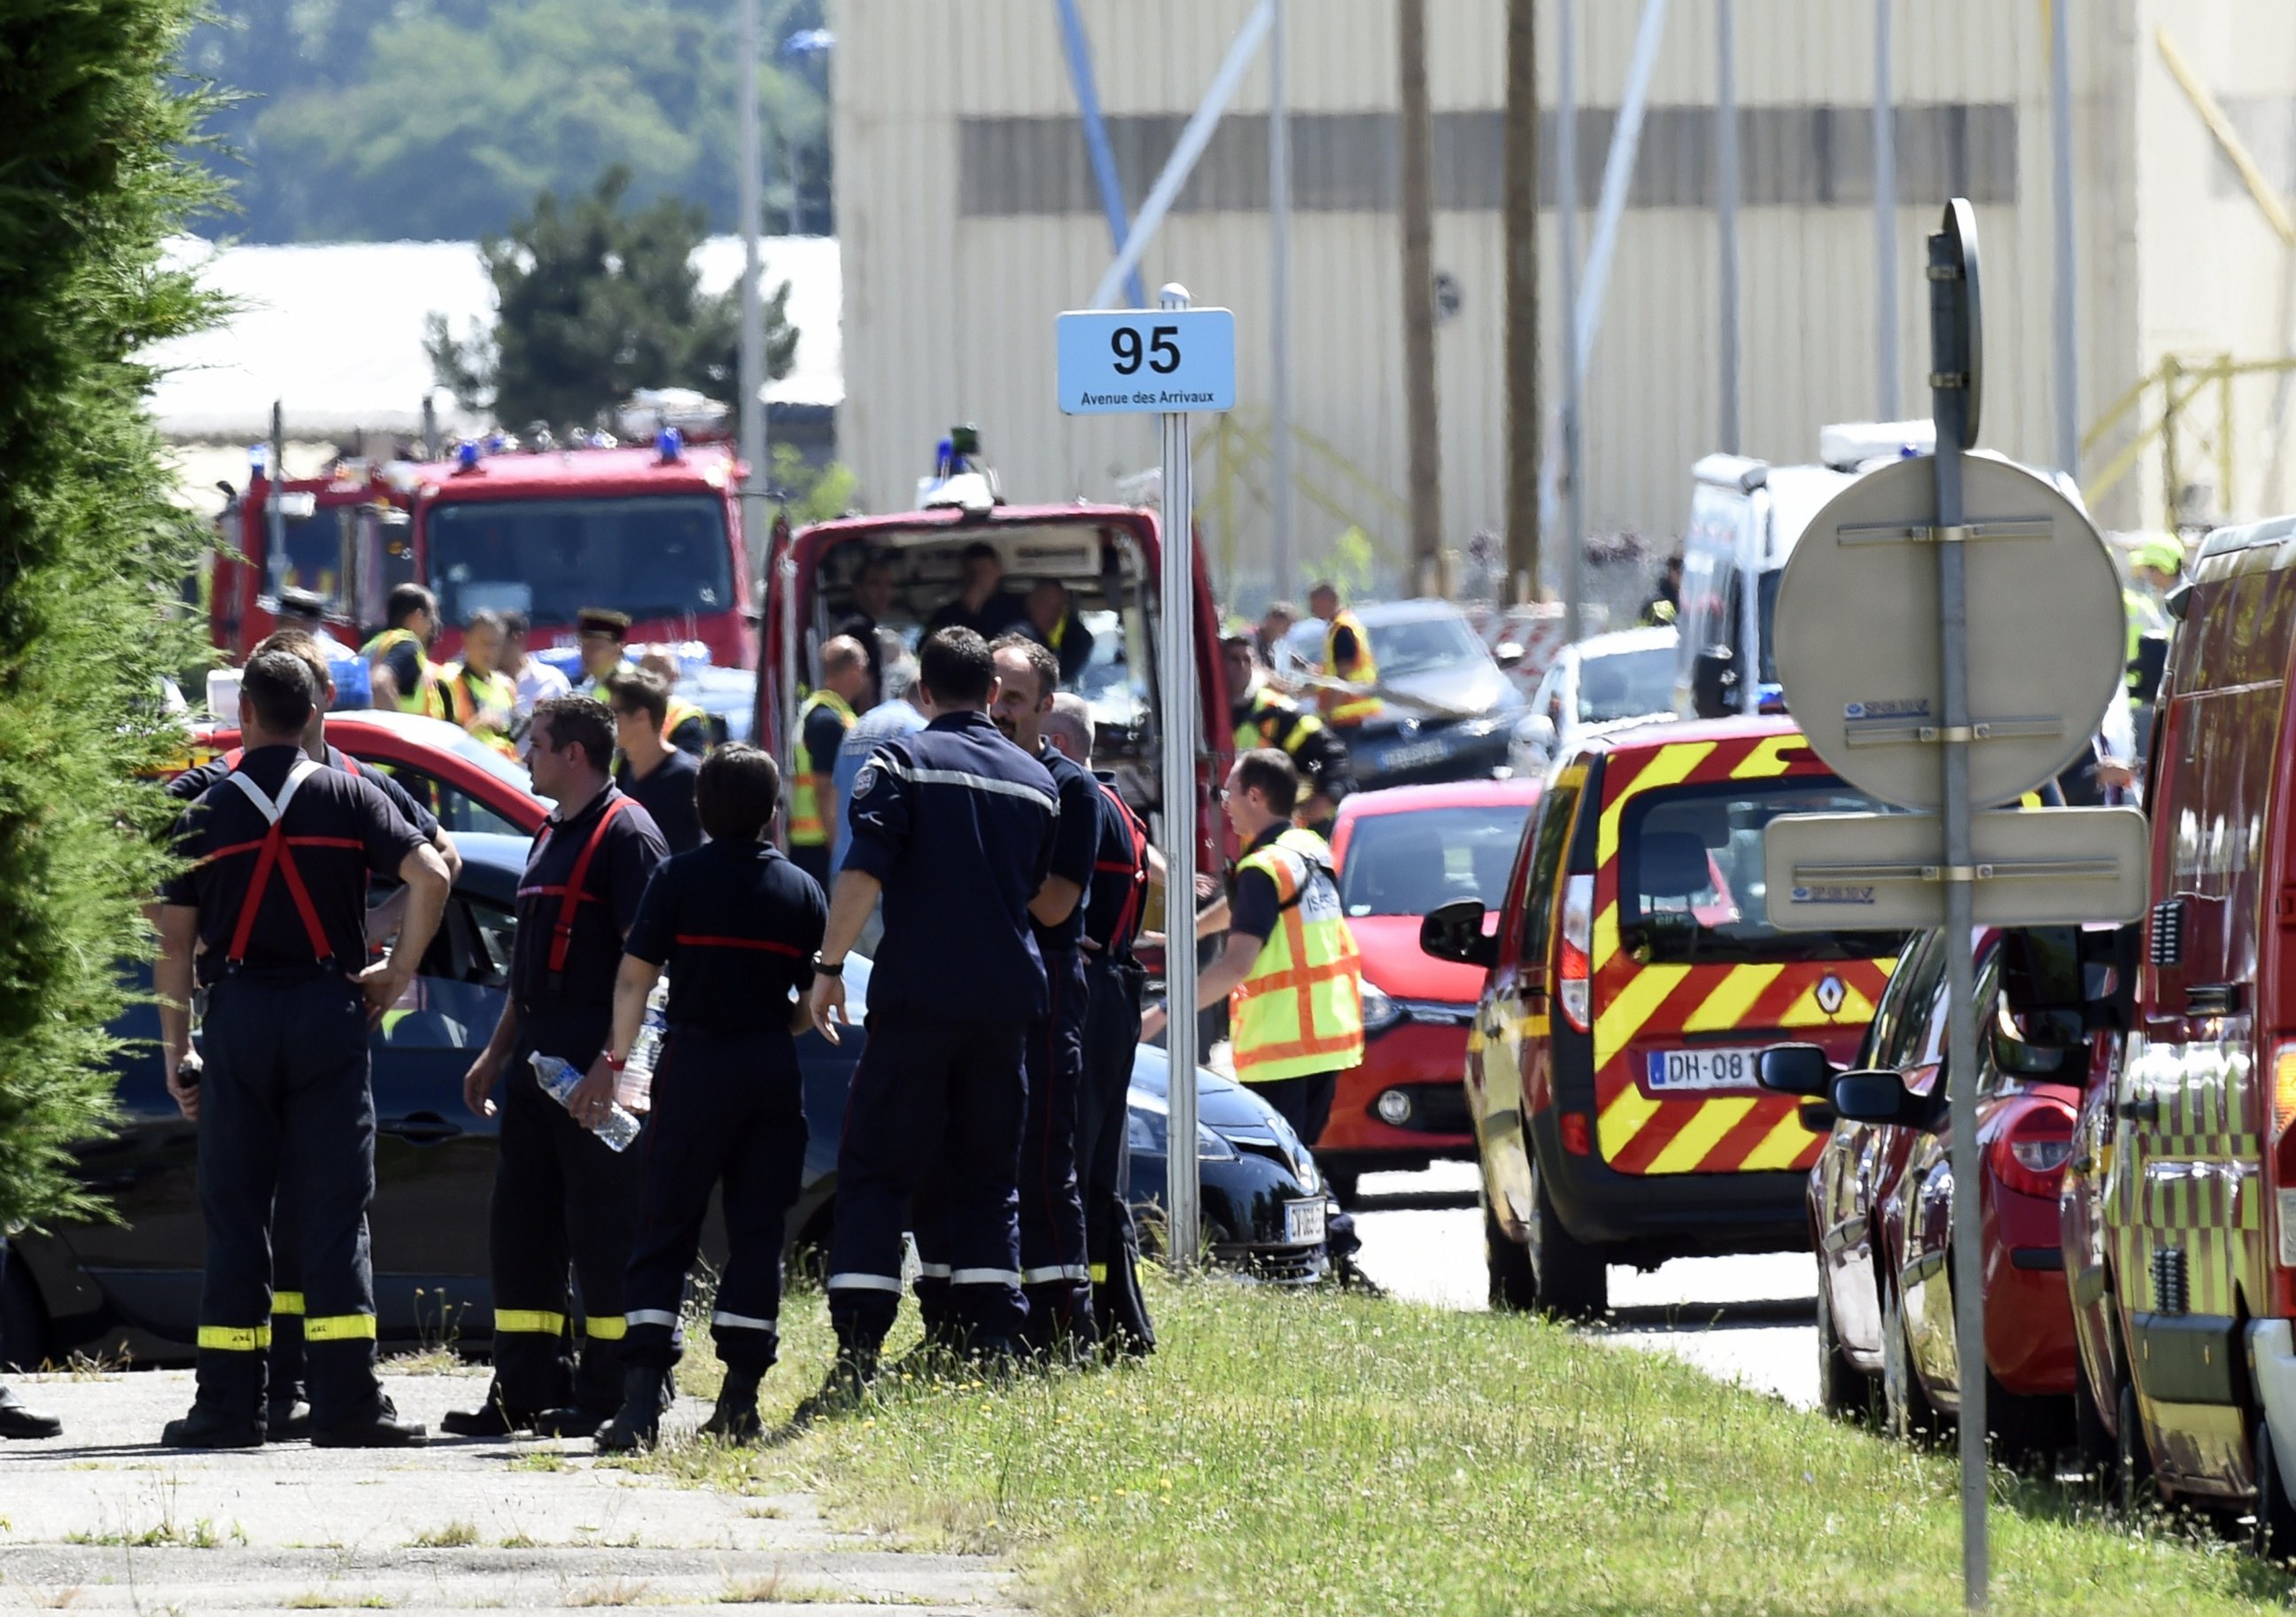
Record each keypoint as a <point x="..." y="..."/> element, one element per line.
<point x="103" y="1520"/>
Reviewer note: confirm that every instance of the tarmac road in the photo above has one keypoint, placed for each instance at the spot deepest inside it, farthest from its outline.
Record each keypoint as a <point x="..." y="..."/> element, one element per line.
<point x="1742" y="1319"/>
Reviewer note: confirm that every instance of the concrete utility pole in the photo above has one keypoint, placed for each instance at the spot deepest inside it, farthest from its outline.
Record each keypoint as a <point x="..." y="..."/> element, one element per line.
<point x="1284" y="552"/>
<point x="1426" y="449"/>
<point x="750" y="418"/>
<point x="1726" y="212"/>
<point x="1566" y="235"/>
<point x="1523" y="425"/>
<point x="2067" y="329"/>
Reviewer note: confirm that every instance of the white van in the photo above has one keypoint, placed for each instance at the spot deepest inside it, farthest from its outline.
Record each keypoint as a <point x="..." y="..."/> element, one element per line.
<point x="1745" y="517"/>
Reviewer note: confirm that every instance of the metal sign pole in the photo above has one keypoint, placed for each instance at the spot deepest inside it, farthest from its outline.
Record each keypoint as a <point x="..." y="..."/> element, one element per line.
<point x="1181" y="1199"/>
<point x="1953" y="373"/>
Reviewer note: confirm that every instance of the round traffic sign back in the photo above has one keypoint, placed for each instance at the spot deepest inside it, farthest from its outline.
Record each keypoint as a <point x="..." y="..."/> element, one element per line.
<point x="1858" y="636"/>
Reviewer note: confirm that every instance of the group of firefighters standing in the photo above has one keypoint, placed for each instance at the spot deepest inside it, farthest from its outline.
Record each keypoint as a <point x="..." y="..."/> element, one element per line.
<point x="1006" y="883"/>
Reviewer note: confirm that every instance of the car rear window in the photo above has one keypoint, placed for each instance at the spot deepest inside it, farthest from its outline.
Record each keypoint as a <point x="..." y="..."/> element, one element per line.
<point x="1409" y="864"/>
<point x="1690" y="883"/>
<point x="1626" y="684"/>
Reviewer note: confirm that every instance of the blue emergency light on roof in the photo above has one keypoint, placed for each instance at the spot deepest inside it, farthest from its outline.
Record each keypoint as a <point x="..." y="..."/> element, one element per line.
<point x="497" y="443"/>
<point x="669" y="443"/>
<point x="944" y="458"/>
<point x="259" y="458"/>
<point x="466" y="455"/>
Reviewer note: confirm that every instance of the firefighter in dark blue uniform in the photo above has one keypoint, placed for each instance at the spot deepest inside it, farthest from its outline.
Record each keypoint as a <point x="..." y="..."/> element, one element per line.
<point x="290" y="1415"/>
<point x="274" y="908"/>
<point x="953" y="826"/>
<point x="737" y="925"/>
<point x="1114" y="980"/>
<point x="559" y="1193"/>
<point x="1052" y="1209"/>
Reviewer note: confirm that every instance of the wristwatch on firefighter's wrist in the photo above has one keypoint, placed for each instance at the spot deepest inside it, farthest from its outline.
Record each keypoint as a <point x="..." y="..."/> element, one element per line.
<point x="827" y="968"/>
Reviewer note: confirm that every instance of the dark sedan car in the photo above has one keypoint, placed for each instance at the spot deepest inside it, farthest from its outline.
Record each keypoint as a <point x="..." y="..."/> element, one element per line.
<point x="1425" y="650"/>
<point x="133" y="1287"/>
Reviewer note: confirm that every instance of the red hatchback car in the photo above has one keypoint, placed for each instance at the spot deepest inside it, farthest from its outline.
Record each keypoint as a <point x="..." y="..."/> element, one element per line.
<point x="470" y="786"/>
<point x="1401" y="853"/>
<point x="1881" y="1209"/>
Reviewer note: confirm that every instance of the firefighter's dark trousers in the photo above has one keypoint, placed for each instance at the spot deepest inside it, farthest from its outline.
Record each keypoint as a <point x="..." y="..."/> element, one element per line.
<point x="1112" y="1037"/>
<point x="285" y="1112"/>
<point x="938" y="1101"/>
<point x="1052" y="1272"/>
<point x="560" y="1193"/>
<point x="726" y="1108"/>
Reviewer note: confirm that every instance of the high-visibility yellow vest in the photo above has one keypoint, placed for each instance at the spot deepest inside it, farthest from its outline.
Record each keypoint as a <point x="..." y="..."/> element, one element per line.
<point x="807" y="829"/>
<point x="2145" y="618"/>
<point x="484" y="704"/>
<point x="1275" y="721"/>
<point x="1301" y="1009"/>
<point x="681" y="714"/>
<point x="1339" y="707"/>
<point x="425" y="698"/>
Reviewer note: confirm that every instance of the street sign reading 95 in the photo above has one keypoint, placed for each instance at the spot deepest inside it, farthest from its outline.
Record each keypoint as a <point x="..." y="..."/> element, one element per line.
<point x="1146" y="361"/>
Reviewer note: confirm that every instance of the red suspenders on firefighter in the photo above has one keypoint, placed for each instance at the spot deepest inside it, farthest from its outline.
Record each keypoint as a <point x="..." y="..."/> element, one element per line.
<point x="571" y="896"/>
<point x="275" y="850"/>
<point x="1136" y="871"/>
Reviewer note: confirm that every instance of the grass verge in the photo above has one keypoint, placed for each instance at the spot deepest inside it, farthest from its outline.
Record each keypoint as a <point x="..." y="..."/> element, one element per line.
<point x="1330" y="1453"/>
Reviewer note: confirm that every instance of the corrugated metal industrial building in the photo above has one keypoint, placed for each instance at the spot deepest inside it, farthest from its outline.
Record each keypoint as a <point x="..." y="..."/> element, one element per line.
<point x="968" y="217"/>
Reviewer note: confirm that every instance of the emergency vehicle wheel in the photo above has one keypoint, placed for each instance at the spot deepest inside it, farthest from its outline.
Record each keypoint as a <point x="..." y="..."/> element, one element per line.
<point x="1844" y="1392"/>
<point x="2274" y="1536"/>
<point x="1573" y="1281"/>
<point x="1912" y="1418"/>
<point x="2137" y="1492"/>
<point x="1514" y="1289"/>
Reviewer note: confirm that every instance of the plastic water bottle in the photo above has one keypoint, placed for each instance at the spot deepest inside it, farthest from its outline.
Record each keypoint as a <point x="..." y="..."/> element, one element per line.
<point x="636" y="1089"/>
<point x="559" y="1078"/>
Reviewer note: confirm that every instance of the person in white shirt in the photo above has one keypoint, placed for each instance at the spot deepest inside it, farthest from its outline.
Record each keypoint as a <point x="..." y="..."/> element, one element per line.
<point x="538" y="682"/>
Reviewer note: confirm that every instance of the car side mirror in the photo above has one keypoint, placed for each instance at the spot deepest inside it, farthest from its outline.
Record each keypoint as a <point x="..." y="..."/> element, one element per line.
<point x="1509" y="656"/>
<point x="1454" y="932"/>
<point x="1879" y="1097"/>
<point x="1796" y="1070"/>
<point x="1818" y="1116"/>
<point x="1714" y="683"/>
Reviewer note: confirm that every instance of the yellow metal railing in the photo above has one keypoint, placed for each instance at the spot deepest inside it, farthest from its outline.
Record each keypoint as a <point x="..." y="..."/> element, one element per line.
<point x="2184" y="406"/>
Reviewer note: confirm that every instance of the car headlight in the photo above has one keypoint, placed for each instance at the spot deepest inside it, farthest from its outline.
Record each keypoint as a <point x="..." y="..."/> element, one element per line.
<point x="1379" y="1012"/>
<point x="1148" y="1128"/>
<point x="1146" y="1131"/>
<point x="1210" y="1147"/>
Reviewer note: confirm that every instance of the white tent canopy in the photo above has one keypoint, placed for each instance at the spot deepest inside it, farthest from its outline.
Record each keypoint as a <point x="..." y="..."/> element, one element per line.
<point x="334" y="332"/>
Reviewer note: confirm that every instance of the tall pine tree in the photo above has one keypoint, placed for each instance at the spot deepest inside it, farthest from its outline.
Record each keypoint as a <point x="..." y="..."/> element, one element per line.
<point x="93" y="179"/>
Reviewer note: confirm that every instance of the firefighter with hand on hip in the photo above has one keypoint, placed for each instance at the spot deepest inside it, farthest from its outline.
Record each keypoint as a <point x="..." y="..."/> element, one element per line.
<point x="737" y="925"/>
<point x="828" y="713"/>
<point x="953" y="825"/>
<point x="1289" y="971"/>
<point x="273" y="909"/>
<point x="561" y="1192"/>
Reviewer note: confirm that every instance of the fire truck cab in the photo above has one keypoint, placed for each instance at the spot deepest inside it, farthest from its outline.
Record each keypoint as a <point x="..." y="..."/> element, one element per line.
<point x="341" y="537"/>
<point x="1106" y="556"/>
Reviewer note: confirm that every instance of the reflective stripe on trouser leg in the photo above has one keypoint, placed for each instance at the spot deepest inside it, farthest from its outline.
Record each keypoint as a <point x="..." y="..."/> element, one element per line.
<point x="240" y="1146"/>
<point x="285" y="1303"/>
<point x="533" y="1371"/>
<point x="338" y="1327"/>
<point x="606" y="1327"/>
<point x="235" y="1338"/>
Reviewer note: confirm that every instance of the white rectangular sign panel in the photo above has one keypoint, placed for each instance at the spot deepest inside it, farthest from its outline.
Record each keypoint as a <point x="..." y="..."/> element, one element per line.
<point x="1886" y="872"/>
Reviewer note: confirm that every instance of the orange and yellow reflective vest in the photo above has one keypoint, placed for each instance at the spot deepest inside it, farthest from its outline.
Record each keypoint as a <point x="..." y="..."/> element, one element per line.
<point x="1363" y="668"/>
<point x="1301" y="1009"/>
<point x="807" y="828"/>
<point x="426" y="697"/>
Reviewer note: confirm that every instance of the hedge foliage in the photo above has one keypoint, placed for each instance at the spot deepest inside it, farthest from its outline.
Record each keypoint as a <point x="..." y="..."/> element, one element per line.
<point x="93" y="178"/>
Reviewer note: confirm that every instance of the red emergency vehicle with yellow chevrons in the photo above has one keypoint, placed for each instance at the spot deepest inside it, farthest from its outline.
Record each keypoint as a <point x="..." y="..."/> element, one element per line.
<point x="1633" y="979"/>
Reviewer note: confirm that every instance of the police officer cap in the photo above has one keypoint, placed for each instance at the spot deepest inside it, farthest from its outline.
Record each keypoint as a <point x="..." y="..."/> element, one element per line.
<point x="302" y="603"/>
<point x="598" y="620"/>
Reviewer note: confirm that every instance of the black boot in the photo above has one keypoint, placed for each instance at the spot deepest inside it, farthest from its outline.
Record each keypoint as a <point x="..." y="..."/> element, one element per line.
<point x="490" y="1419"/>
<point x="381" y="1430"/>
<point x="209" y="1426"/>
<point x="735" y="1419"/>
<point x="16" y="1421"/>
<point x="291" y="1415"/>
<point x="845" y="1388"/>
<point x="638" y="1423"/>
